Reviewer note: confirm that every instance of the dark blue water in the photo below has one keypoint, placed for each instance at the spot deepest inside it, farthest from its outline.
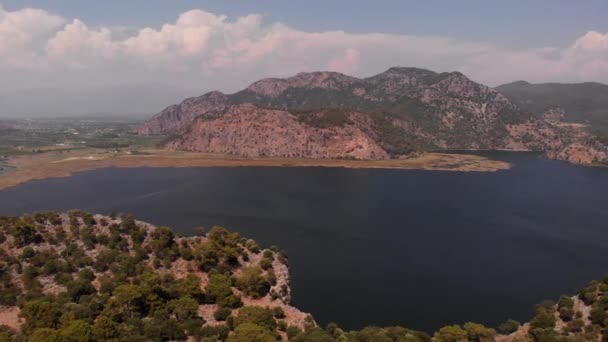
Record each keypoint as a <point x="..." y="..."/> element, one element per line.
<point x="417" y="248"/>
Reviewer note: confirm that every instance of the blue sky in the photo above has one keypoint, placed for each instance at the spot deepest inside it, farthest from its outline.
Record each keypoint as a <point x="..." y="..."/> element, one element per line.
<point x="187" y="47"/>
<point x="514" y="23"/>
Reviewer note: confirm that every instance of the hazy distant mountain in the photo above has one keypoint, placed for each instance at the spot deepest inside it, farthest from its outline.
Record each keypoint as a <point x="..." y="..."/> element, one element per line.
<point x="581" y="102"/>
<point x="332" y="115"/>
<point x="123" y="99"/>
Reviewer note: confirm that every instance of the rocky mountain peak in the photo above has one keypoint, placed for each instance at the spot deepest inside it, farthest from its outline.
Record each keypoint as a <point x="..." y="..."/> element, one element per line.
<point x="273" y="87"/>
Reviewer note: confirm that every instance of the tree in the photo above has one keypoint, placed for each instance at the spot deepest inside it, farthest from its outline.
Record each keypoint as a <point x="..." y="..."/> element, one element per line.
<point x="221" y="314"/>
<point x="509" y="327"/>
<point x="544" y="319"/>
<point x="129" y="300"/>
<point x="451" y="333"/>
<point x="249" y="332"/>
<point x="219" y="290"/>
<point x="40" y="313"/>
<point x="252" y="283"/>
<point x="44" y="335"/>
<point x="80" y="287"/>
<point x="257" y="315"/>
<point x="24" y="233"/>
<point x="183" y="308"/>
<point x="105" y="329"/>
<point x="77" y="331"/>
<point x="478" y="332"/>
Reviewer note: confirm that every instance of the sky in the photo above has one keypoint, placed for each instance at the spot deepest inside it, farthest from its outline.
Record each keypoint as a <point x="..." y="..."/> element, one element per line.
<point x="59" y="49"/>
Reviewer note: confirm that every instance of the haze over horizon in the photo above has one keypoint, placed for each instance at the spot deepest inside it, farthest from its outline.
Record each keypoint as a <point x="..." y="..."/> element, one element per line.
<point x="80" y="57"/>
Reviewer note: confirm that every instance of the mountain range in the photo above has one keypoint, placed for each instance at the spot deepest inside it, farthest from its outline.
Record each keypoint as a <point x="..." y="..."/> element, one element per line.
<point x="390" y="115"/>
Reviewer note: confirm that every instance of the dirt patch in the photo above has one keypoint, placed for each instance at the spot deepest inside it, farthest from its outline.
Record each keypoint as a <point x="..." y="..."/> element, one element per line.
<point x="9" y="316"/>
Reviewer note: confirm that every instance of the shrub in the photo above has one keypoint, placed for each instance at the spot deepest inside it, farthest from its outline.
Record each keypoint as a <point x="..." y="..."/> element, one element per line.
<point x="266" y="263"/>
<point x="278" y="312"/>
<point x="252" y="283"/>
<point x="221" y="313"/>
<point x="478" y="332"/>
<point x="451" y="333"/>
<point x="77" y="331"/>
<point x="508" y="327"/>
<point x="40" y="313"/>
<point x="544" y="319"/>
<point x="258" y="315"/>
<point x="249" y="332"/>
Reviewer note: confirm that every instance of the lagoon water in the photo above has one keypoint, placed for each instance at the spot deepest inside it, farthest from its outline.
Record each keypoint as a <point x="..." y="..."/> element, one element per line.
<point x="416" y="248"/>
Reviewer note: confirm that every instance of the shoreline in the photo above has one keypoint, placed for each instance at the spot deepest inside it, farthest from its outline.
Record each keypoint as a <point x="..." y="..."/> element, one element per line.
<point x="57" y="164"/>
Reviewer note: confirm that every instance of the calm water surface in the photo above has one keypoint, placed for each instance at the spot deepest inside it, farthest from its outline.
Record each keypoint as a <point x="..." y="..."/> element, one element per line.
<point x="417" y="248"/>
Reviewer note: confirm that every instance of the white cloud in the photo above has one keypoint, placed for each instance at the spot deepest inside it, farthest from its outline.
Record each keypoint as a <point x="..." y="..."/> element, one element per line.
<point x="205" y="51"/>
<point x="348" y="63"/>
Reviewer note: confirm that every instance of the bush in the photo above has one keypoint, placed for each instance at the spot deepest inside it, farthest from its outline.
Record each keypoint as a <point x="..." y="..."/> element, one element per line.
<point x="214" y="333"/>
<point x="508" y="327"/>
<point x="278" y="312"/>
<point x="257" y="315"/>
<point x="478" y="332"/>
<point x="252" y="283"/>
<point x="221" y="313"/>
<point x="266" y="263"/>
<point x="249" y="332"/>
<point x="40" y="313"/>
<point x="451" y="333"/>
<point x="77" y="331"/>
<point x="44" y="335"/>
<point x="27" y="253"/>
<point x="219" y="291"/>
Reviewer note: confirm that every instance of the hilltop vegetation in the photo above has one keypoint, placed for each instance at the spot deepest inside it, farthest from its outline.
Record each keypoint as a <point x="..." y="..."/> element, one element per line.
<point x="83" y="277"/>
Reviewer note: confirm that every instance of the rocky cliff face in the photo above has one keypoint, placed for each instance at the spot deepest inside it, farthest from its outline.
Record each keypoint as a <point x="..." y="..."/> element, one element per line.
<point x="251" y="131"/>
<point x="387" y="115"/>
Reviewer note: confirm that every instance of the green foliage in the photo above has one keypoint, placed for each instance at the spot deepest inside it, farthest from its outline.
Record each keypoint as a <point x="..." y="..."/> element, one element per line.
<point x="451" y="333"/>
<point x="106" y="329"/>
<point x="266" y="263"/>
<point x="219" y="291"/>
<point x="221" y="314"/>
<point x="24" y="233"/>
<point x="40" y="313"/>
<point x="252" y="283"/>
<point x="257" y="315"/>
<point x="508" y="327"/>
<point x="543" y="319"/>
<point x="221" y="249"/>
<point x="45" y="335"/>
<point x="478" y="332"/>
<point x="77" y="331"/>
<point x="183" y="308"/>
<point x="249" y="332"/>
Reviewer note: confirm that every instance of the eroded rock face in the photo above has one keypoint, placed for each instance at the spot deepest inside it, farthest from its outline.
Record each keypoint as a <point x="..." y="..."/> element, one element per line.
<point x="247" y="130"/>
<point x="386" y="112"/>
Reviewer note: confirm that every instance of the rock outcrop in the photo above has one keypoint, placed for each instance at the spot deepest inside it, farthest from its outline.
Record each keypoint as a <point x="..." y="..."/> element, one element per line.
<point x="251" y="131"/>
